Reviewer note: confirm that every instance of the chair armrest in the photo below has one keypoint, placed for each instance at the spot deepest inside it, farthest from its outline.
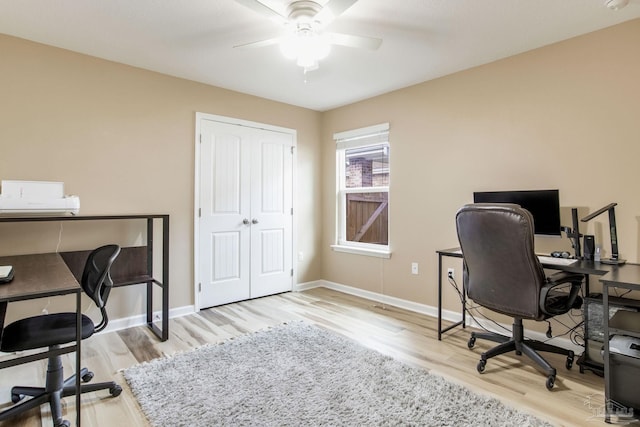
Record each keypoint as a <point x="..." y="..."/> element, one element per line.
<point x="555" y="280"/>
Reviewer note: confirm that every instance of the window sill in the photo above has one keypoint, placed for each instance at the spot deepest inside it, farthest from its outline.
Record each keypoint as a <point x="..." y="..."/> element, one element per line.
<point x="378" y="253"/>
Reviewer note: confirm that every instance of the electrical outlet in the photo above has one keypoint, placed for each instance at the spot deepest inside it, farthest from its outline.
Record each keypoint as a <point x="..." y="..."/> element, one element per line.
<point x="451" y="273"/>
<point x="414" y="268"/>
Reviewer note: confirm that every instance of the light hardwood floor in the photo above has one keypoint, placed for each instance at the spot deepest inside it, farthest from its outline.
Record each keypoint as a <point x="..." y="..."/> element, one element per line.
<point x="407" y="336"/>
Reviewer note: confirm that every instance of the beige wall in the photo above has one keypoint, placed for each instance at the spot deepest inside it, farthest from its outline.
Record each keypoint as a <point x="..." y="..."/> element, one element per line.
<point x="564" y="116"/>
<point x="122" y="139"/>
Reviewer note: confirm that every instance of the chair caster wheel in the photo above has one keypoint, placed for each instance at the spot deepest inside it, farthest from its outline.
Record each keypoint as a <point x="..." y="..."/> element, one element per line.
<point x="115" y="390"/>
<point x="64" y="423"/>
<point x="569" y="362"/>
<point x="472" y="341"/>
<point x="481" y="365"/>
<point x="87" y="377"/>
<point x="15" y="398"/>
<point x="551" y="380"/>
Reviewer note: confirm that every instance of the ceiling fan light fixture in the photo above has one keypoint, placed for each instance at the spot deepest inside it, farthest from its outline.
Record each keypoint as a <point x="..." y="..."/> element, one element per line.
<point x="306" y="47"/>
<point x="616" y="4"/>
<point x="290" y="46"/>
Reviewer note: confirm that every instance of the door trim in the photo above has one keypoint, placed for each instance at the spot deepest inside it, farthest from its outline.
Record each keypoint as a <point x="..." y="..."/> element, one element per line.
<point x="196" y="192"/>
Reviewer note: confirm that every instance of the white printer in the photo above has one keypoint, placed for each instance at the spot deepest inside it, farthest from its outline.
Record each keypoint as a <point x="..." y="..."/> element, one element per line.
<point x="36" y="198"/>
<point x="622" y="344"/>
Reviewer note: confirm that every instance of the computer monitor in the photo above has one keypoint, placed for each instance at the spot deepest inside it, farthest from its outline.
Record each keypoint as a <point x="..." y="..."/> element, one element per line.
<point x="544" y="206"/>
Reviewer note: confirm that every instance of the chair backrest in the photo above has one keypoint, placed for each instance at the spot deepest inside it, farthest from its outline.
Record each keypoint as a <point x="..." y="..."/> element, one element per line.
<point x="502" y="271"/>
<point x="96" y="278"/>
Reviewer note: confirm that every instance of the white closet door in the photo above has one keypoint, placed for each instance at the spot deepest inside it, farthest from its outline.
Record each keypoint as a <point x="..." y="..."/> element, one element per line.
<point x="245" y="228"/>
<point x="271" y="244"/>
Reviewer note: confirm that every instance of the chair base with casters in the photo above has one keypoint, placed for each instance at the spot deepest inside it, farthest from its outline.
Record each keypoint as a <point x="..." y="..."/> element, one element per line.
<point x="521" y="345"/>
<point x="56" y="388"/>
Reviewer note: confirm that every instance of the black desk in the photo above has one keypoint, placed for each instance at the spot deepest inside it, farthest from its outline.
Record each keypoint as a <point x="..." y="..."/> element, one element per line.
<point x="624" y="370"/>
<point x="626" y="276"/>
<point x="41" y="276"/>
<point x="132" y="267"/>
<point x="579" y="266"/>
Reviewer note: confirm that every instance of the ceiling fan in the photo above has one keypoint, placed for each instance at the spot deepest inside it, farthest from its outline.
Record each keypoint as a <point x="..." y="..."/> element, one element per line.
<point x="616" y="4"/>
<point x="305" y="38"/>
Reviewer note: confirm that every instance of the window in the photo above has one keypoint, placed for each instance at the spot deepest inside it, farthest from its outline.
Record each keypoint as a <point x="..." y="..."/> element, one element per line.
<point x="362" y="157"/>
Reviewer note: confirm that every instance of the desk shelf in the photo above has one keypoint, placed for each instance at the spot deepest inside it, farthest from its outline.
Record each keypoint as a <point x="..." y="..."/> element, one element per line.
<point x="625" y="323"/>
<point x="621" y="372"/>
<point x="134" y="265"/>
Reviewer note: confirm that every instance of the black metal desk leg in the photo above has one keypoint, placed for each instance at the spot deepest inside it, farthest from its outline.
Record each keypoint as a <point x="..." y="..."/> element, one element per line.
<point x="439" y="297"/>
<point x="165" y="279"/>
<point x="78" y="353"/>
<point x="464" y="305"/>
<point x="150" y="272"/>
<point x="464" y="302"/>
<point x="607" y="370"/>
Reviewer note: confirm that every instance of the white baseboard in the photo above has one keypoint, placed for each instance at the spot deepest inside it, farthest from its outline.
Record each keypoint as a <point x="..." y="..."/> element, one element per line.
<point x="448" y="315"/>
<point x="428" y="310"/>
<point x="141" y="320"/>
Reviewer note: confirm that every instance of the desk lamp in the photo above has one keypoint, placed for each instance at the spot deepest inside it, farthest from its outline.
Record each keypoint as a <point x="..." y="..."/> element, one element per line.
<point x="614" y="260"/>
<point x="574" y="234"/>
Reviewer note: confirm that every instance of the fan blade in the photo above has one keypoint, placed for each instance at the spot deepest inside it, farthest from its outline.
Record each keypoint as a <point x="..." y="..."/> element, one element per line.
<point x="350" y="40"/>
<point x="332" y="10"/>
<point x="261" y="43"/>
<point x="262" y="9"/>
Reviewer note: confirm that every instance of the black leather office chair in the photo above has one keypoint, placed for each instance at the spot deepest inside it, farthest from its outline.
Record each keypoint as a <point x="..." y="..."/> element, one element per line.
<point x="502" y="273"/>
<point x="54" y="330"/>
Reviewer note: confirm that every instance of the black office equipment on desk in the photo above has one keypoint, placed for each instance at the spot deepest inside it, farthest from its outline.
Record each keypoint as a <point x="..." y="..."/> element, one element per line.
<point x="615" y="258"/>
<point x="589" y="247"/>
<point x="544" y="206"/>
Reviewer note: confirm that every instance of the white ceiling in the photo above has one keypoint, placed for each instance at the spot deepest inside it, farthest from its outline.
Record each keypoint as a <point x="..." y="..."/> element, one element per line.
<point x="194" y="39"/>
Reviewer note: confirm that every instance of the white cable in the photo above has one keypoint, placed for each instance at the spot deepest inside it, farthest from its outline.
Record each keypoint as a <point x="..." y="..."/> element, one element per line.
<point x="44" y="310"/>
<point x="59" y="238"/>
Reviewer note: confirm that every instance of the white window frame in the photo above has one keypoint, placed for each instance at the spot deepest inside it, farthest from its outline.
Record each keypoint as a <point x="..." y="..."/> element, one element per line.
<point x="363" y="137"/>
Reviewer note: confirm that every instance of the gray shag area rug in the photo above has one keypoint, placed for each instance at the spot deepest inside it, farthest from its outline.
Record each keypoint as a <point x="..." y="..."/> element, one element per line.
<point x="302" y="375"/>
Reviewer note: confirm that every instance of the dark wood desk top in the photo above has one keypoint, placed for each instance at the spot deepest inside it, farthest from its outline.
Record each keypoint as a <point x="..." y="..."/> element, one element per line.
<point x="579" y="266"/>
<point x="452" y="252"/>
<point x="48" y="218"/>
<point x="583" y="267"/>
<point x="36" y="276"/>
<point x="624" y="276"/>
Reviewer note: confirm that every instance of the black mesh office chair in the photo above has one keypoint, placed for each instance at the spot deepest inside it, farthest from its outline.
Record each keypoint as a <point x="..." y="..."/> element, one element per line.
<point x="502" y="273"/>
<point x="54" y="330"/>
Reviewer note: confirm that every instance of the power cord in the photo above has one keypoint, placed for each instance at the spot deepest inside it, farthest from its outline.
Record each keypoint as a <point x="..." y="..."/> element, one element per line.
<point x="59" y="238"/>
<point x="476" y="308"/>
<point x="572" y="331"/>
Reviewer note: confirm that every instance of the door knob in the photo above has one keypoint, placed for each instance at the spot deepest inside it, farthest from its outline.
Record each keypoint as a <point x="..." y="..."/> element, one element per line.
<point x="254" y="221"/>
<point x="245" y="221"/>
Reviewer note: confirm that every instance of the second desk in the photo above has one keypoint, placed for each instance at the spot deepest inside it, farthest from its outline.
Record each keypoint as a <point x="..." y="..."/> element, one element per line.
<point x="578" y="266"/>
<point x="42" y="276"/>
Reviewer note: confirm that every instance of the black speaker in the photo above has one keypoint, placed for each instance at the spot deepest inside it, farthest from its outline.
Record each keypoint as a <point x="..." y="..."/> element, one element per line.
<point x="589" y="247"/>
